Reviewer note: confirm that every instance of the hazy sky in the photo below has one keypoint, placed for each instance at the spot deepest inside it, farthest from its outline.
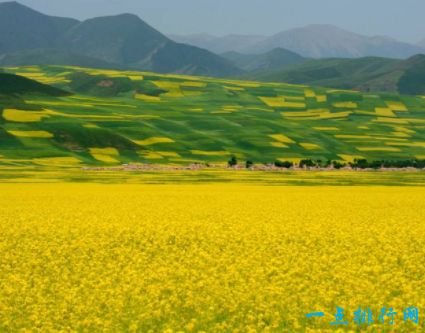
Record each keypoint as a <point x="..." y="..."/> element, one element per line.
<point x="402" y="19"/>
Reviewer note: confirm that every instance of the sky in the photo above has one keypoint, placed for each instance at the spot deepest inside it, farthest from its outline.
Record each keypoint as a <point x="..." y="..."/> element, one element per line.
<point x="401" y="19"/>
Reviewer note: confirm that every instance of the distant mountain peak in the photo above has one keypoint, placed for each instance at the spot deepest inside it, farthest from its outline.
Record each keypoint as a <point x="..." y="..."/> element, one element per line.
<point x="315" y="30"/>
<point x="12" y="4"/>
<point x="325" y="41"/>
<point x="126" y="18"/>
<point x="313" y="41"/>
<point x="16" y="8"/>
<point x="122" y="16"/>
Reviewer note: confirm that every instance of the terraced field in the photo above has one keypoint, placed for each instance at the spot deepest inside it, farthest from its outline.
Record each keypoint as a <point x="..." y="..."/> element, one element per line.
<point x="116" y="117"/>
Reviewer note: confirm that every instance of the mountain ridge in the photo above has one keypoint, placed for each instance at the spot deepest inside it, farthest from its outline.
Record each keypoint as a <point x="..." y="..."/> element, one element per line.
<point x="124" y="40"/>
<point x="320" y="41"/>
<point x="275" y="58"/>
<point x="22" y="27"/>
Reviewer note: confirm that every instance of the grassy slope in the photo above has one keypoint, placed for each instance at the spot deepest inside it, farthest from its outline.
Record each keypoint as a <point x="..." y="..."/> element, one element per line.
<point x="364" y="74"/>
<point x="200" y="119"/>
<point x="332" y="72"/>
<point x="15" y="84"/>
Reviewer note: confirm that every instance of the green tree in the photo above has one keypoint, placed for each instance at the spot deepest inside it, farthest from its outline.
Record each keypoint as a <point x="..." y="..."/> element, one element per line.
<point x="284" y="164"/>
<point x="307" y="163"/>
<point x="233" y="161"/>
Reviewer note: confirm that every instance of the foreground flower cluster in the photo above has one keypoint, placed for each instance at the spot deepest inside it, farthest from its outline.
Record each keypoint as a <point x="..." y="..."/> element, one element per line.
<point x="213" y="258"/>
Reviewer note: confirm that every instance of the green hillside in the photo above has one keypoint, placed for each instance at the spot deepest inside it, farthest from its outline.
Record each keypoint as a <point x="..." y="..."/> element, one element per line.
<point x="11" y="84"/>
<point x="369" y="74"/>
<point x="117" y="117"/>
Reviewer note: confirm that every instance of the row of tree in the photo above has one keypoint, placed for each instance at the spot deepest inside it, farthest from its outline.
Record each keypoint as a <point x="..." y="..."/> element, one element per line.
<point x="356" y="164"/>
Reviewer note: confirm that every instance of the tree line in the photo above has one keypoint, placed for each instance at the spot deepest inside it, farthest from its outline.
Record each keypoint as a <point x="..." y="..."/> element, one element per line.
<point x="356" y="164"/>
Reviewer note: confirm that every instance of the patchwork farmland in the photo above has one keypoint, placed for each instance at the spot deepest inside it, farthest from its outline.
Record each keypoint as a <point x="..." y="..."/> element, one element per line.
<point x="117" y="117"/>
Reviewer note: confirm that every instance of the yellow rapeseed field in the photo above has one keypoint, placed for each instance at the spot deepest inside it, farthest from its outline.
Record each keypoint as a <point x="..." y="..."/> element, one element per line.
<point x="208" y="258"/>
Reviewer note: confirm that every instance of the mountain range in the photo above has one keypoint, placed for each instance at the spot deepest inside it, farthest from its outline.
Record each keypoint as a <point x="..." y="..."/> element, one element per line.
<point x="316" y="55"/>
<point x="120" y="41"/>
<point x="313" y="41"/>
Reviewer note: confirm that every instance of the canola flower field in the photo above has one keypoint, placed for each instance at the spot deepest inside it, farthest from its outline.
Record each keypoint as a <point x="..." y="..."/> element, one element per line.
<point x="47" y="173"/>
<point x="208" y="258"/>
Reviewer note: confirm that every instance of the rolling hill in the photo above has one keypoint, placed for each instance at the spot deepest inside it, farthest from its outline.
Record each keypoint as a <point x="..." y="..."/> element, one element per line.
<point x="370" y="74"/>
<point x="122" y="40"/>
<point x="11" y="84"/>
<point x="117" y="117"/>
